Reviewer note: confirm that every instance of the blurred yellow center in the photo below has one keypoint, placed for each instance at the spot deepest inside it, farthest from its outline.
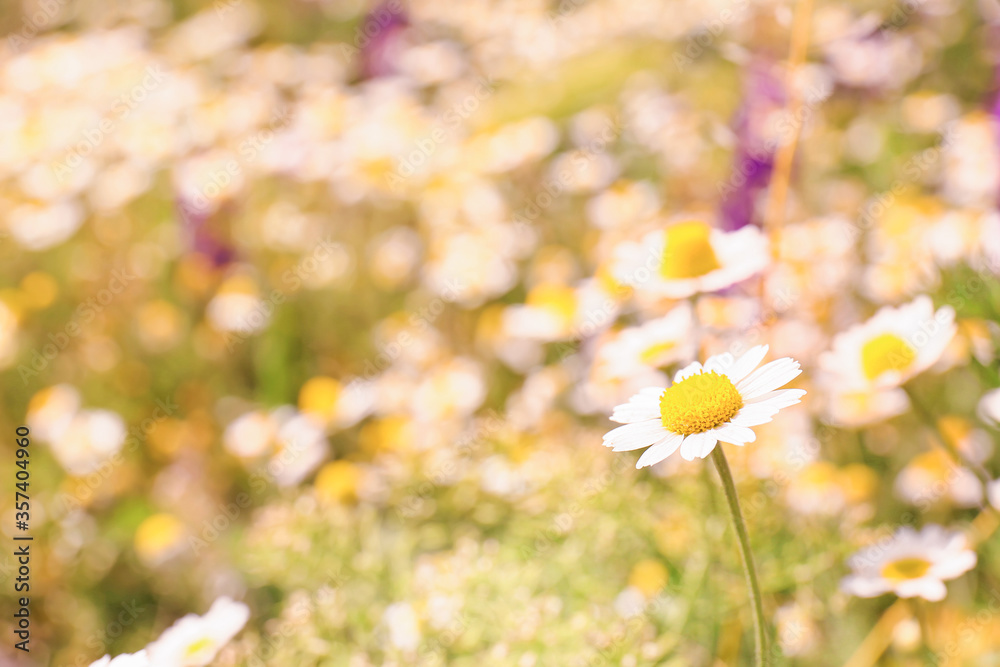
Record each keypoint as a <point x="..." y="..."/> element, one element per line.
<point x="319" y="396"/>
<point x="654" y="352"/>
<point x="906" y="568"/>
<point x="688" y="253"/>
<point x="649" y="576"/>
<point x="196" y="647"/>
<point x="884" y="353"/>
<point x="699" y="403"/>
<point x="556" y="299"/>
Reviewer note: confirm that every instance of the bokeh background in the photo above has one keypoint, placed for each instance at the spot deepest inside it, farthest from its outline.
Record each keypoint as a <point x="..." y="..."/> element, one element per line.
<point x="308" y="303"/>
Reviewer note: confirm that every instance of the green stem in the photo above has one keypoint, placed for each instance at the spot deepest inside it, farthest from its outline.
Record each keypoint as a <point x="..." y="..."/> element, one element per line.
<point x="760" y="634"/>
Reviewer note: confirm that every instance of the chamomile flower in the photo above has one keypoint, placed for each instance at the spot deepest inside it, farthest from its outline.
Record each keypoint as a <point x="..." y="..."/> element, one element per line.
<point x="690" y="257"/>
<point x="194" y="641"/>
<point x="892" y="347"/>
<point x="718" y="401"/>
<point x="912" y="564"/>
<point x="655" y="344"/>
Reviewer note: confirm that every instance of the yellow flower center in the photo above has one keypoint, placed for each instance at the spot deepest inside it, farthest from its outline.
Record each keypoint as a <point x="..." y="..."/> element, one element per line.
<point x="654" y="352"/>
<point x="198" y="646"/>
<point x="688" y="253"/>
<point x="699" y="403"/>
<point x="905" y="569"/>
<point x="557" y="299"/>
<point x="884" y="353"/>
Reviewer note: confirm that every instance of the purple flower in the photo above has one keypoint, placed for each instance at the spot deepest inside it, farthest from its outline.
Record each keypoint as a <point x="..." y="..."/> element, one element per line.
<point x="755" y="148"/>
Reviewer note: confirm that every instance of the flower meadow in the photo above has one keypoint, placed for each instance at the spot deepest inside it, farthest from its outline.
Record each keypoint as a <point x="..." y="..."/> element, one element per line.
<point x="578" y="333"/>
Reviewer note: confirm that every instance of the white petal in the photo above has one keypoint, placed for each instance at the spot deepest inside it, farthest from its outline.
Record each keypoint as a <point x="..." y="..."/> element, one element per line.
<point x="698" y="445"/>
<point x="733" y="434"/>
<point x="753" y="415"/>
<point x="864" y="587"/>
<point x="691" y="369"/>
<point x="955" y="565"/>
<point x="927" y="588"/>
<point x="769" y="377"/>
<point x="780" y="398"/>
<point x="746" y="363"/>
<point x="660" y="450"/>
<point x="633" y="436"/>
<point x="642" y="406"/>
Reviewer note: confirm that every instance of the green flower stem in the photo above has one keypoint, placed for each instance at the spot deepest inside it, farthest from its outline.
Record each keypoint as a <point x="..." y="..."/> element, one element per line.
<point x="760" y="634"/>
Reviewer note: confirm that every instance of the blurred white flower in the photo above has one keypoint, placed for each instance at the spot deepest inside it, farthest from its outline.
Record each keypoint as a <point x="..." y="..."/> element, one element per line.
<point x="690" y="257"/>
<point x="91" y="438"/>
<point x="194" y="641"/>
<point x="654" y="344"/>
<point x="912" y="564"/>
<point x="249" y="435"/>
<point x="51" y="410"/>
<point x="891" y="347"/>
<point x="403" y="626"/>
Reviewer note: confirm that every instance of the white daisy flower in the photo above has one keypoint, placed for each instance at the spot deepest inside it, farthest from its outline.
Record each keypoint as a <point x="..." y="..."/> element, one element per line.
<point x="912" y="564"/>
<point x="655" y="344"/>
<point x="892" y="347"/>
<point x="139" y="659"/>
<point x="194" y="641"/>
<point x="690" y="257"/>
<point x="718" y="401"/>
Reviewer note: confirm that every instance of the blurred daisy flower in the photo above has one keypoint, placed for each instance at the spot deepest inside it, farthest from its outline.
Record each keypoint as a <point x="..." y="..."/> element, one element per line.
<point x="892" y="347"/>
<point x="718" y="401"/>
<point x="655" y="344"/>
<point x="689" y="257"/>
<point x="194" y="640"/>
<point x="295" y="442"/>
<point x="81" y="439"/>
<point x="913" y="564"/>
<point x="933" y="476"/>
